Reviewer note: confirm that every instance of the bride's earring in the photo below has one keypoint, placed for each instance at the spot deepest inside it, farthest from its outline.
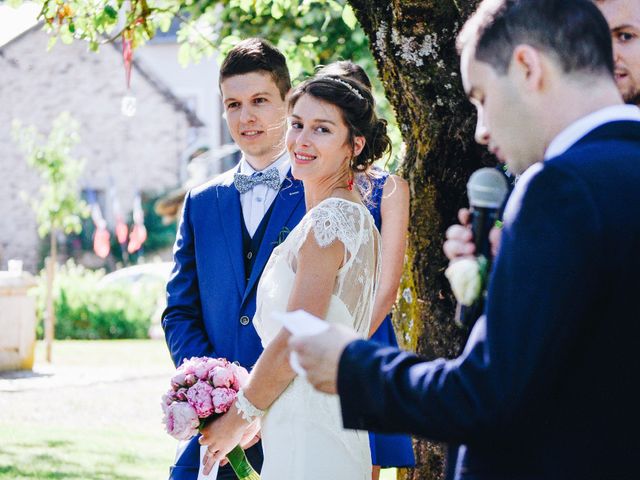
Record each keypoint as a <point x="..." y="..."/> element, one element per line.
<point x="350" y="180"/>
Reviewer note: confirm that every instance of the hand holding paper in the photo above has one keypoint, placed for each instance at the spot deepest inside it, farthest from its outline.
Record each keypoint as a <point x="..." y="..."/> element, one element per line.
<point x="317" y="347"/>
<point x="300" y="324"/>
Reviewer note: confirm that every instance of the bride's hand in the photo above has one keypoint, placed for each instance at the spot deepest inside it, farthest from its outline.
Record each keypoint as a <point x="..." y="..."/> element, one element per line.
<point x="251" y="435"/>
<point x="221" y="436"/>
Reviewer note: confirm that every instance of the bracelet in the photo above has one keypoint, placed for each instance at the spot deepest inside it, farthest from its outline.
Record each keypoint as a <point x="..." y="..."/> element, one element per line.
<point x="247" y="409"/>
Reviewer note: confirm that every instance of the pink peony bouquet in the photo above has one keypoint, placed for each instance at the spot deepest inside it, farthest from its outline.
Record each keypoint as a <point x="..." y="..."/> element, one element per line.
<point x="202" y="389"/>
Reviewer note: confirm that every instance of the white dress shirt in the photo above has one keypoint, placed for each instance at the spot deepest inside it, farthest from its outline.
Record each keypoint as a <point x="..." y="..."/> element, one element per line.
<point x="578" y="129"/>
<point x="257" y="201"/>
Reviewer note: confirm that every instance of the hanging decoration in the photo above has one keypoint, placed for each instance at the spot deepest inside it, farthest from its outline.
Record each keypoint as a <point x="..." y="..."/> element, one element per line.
<point x="127" y="54"/>
<point x="122" y="231"/>
<point x="121" y="228"/>
<point x="128" y="105"/>
<point x="138" y="234"/>
<point x="101" y="237"/>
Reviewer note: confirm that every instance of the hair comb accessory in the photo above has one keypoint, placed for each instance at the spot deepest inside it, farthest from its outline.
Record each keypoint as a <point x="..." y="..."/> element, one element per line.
<point x="351" y="88"/>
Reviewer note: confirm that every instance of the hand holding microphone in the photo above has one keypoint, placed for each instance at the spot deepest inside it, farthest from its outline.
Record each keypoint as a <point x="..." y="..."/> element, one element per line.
<point x="486" y="190"/>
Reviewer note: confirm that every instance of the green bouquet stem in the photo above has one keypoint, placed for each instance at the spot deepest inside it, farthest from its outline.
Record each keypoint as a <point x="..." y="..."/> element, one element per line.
<point x="240" y="464"/>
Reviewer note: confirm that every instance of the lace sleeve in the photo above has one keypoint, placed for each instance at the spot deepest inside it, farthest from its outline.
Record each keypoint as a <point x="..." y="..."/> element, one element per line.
<point x="331" y="220"/>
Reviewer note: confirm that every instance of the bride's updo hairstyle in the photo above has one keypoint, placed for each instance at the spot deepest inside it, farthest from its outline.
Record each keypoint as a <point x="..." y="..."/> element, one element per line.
<point x="357" y="105"/>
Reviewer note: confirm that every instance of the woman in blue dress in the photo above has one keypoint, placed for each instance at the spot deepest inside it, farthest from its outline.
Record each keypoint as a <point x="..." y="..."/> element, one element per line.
<point x="388" y="202"/>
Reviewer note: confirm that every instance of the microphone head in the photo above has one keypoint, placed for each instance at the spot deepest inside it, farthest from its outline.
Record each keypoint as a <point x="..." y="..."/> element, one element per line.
<point x="487" y="188"/>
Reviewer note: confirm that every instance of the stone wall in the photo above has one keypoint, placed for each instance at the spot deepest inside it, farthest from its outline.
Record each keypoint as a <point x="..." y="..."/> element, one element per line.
<point x="123" y="155"/>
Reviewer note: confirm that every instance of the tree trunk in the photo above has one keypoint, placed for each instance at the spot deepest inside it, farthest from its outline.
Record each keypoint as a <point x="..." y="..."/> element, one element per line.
<point x="50" y="317"/>
<point x="413" y="42"/>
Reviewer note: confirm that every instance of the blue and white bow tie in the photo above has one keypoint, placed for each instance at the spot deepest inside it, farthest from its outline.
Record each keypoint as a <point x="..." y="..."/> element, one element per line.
<point x="244" y="183"/>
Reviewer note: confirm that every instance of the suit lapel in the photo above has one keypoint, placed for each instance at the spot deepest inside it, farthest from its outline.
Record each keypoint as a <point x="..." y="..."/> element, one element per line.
<point x="230" y="218"/>
<point x="288" y="198"/>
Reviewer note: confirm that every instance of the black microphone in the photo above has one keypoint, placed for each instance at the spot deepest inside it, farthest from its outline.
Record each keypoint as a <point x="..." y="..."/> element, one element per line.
<point x="486" y="190"/>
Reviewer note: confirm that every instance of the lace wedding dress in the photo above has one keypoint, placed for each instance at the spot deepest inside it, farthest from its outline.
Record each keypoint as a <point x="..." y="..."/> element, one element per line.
<point x="302" y="433"/>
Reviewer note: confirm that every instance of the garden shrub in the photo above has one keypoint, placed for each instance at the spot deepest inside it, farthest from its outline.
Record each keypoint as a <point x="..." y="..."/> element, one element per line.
<point x="85" y="309"/>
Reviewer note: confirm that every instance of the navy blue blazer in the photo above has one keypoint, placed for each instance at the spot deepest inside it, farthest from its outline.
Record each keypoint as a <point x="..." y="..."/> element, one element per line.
<point x="544" y="386"/>
<point x="210" y="304"/>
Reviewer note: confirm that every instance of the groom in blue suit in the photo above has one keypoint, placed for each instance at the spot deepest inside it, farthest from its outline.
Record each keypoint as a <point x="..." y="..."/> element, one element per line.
<point x="544" y="387"/>
<point x="230" y="226"/>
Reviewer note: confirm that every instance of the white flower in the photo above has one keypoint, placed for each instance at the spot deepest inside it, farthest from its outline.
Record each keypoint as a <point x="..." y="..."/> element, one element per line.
<point x="465" y="279"/>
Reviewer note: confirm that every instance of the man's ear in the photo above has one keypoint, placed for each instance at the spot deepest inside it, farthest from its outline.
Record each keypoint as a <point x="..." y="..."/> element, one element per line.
<point x="358" y="145"/>
<point x="528" y="67"/>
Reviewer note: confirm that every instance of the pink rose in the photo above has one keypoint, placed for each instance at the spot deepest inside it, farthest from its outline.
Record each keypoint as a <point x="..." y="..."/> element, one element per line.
<point x="223" y="398"/>
<point x="221" y="376"/>
<point x="204" y="367"/>
<point x="189" y="365"/>
<point x="167" y="399"/>
<point x="199" y="397"/>
<point x="178" y="380"/>
<point x="241" y="376"/>
<point x="190" y="379"/>
<point x="181" y="395"/>
<point x="181" y="421"/>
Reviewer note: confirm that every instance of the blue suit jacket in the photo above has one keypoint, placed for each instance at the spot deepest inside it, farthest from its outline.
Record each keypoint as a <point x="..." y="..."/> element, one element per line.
<point x="544" y="386"/>
<point x="207" y="294"/>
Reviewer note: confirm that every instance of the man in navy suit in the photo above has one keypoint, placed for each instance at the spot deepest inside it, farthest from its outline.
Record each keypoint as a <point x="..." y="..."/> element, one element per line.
<point x="230" y="226"/>
<point x="623" y="17"/>
<point x="544" y="386"/>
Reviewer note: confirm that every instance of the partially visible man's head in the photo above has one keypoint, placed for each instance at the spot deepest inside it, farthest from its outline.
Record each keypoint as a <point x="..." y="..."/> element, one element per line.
<point x="570" y="30"/>
<point x="518" y="58"/>
<point x="257" y="55"/>
<point x="254" y="82"/>
<point x="623" y="17"/>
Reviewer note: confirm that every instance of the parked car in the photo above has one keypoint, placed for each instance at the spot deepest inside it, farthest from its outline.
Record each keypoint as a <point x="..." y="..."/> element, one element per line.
<point x="147" y="272"/>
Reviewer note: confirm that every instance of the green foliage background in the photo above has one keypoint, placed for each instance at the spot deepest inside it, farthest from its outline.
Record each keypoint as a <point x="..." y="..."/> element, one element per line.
<point x="310" y="33"/>
<point x="57" y="206"/>
<point x="87" y="310"/>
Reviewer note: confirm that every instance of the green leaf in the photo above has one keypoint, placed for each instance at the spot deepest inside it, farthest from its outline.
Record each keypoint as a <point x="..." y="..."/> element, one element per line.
<point x="65" y="35"/>
<point x="184" y="55"/>
<point x="335" y="6"/>
<point x="349" y="17"/>
<point x="309" y="39"/>
<point x="72" y="27"/>
<point x="52" y="41"/>
<point x="164" y="23"/>
<point x="246" y="5"/>
<point x="276" y="10"/>
<point x="111" y="12"/>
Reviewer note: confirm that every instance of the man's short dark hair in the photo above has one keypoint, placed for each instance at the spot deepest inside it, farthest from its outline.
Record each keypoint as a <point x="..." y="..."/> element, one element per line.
<point x="573" y="31"/>
<point x="257" y="55"/>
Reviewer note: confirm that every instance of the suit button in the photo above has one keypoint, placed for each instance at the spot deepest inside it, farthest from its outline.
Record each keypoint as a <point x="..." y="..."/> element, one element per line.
<point x="249" y="255"/>
<point x="244" y="320"/>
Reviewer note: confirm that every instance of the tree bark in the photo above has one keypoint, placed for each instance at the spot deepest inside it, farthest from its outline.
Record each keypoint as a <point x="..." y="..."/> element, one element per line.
<point x="413" y="42"/>
<point x="50" y="317"/>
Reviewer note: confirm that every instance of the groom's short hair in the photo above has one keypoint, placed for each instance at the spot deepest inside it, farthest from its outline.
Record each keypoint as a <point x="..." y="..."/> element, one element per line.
<point x="257" y="55"/>
<point x="572" y="31"/>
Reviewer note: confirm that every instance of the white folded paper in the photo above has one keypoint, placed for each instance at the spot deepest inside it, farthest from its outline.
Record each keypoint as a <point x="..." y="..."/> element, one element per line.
<point x="214" y="471"/>
<point x="300" y="323"/>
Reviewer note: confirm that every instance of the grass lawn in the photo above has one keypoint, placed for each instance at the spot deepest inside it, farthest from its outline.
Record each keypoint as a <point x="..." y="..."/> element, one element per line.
<point x="98" y="430"/>
<point x="52" y="452"/>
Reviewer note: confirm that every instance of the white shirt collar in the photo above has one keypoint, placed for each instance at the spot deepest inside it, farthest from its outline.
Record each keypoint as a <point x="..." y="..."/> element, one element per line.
<point x="578" y="129"/>
<point x="282" y="164"/>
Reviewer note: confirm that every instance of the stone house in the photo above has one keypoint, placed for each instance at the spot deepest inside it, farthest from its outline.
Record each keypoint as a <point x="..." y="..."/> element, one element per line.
<point x="124" y="155"/>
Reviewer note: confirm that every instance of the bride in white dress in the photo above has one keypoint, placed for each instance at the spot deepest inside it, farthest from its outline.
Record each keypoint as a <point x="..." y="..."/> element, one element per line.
<point x="329" y="266"/>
